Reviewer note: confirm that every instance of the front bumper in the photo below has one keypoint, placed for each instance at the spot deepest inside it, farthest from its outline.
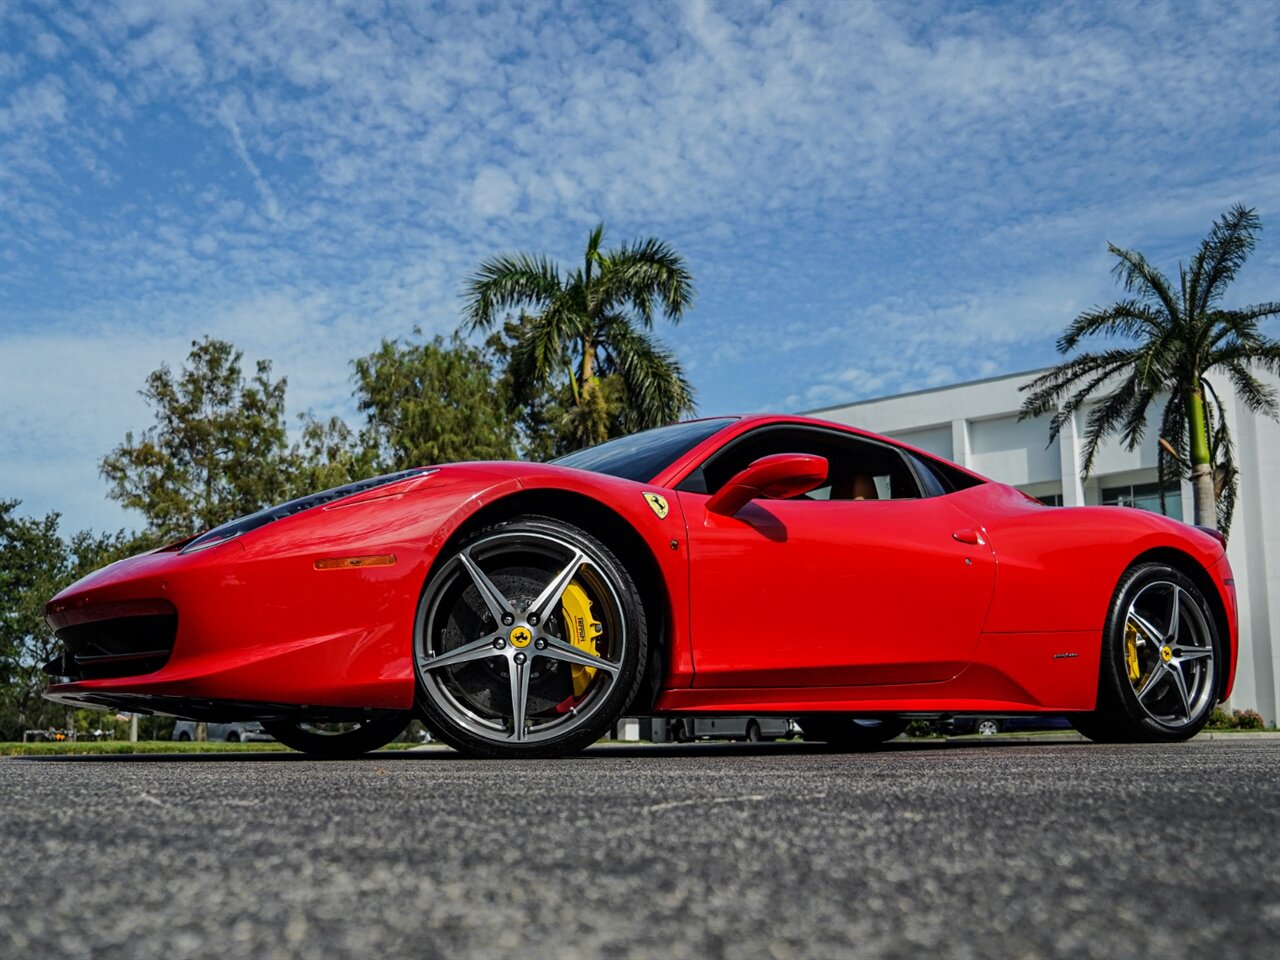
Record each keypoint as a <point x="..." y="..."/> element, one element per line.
<point x="222" y="634"/>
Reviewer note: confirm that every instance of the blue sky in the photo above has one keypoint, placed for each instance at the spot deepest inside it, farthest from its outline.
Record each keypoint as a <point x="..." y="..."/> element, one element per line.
<point x="873" y="198"/>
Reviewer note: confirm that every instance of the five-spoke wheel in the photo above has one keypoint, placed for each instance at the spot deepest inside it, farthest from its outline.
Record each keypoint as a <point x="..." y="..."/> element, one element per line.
<point x="1158" y="678"/>
<point x="530" y="641"/>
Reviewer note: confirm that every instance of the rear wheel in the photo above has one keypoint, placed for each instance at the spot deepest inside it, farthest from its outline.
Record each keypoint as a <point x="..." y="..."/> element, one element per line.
<point x="753" y="732"/>
<point x="1158" y="680"/>
<point x="852" y="733"/>
<point x="530" y="641"/>
<point x="987" y="727"/>
<point x="337" y="739"/>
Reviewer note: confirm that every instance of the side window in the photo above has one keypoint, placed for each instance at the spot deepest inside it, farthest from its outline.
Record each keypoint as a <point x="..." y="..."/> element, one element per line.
<point x="933" y="486"/>
<point x="857" y="469"/>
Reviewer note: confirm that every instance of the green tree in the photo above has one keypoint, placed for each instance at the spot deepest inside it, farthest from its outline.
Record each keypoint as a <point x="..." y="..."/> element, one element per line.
<point x="328" y="454"/>
<point x="218" y="448"/>
<point x="35" y="563"/>
<point x="1178" y="336"/>
<point x="430" y="402"/>
<point x="587" y="325"/>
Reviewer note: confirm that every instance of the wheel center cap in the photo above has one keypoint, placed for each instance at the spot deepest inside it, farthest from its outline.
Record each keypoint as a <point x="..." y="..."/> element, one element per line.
<point x="520" y="636"/>
<point x="1166" y="653"/>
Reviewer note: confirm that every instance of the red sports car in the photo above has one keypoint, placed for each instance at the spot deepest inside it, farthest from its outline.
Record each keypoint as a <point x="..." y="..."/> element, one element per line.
<point x="763" y="565"/>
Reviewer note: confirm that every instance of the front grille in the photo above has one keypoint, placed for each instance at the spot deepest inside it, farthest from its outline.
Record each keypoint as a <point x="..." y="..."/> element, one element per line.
<point x="118" y="647"/>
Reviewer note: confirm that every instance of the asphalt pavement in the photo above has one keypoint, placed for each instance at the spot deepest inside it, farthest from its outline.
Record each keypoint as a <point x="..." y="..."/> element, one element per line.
<point x="924" y="849"/>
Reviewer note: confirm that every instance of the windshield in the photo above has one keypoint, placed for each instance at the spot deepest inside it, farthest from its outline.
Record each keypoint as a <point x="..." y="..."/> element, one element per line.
<point x="642" y="456"/>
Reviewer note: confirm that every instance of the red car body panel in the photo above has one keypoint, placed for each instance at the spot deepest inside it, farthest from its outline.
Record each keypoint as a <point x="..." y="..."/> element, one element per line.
<point x="979" y="600"/>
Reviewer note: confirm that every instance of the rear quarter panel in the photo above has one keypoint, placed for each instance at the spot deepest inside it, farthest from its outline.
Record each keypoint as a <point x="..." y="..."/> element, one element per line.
<point x="1057" y="567"/>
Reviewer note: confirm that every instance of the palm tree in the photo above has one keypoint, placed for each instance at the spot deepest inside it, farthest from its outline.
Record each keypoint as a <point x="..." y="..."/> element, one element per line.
<point x="1179" y="336"/>
<point x="594" y="322"/>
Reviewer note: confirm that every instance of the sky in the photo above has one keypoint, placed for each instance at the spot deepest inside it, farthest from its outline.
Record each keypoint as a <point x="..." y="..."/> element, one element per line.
<point x="873" y="198"/>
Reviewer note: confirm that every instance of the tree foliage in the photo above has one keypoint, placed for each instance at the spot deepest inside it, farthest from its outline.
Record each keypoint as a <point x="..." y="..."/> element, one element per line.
<point x="1180" y="340"/>
<point x="428" y="402"/>
<point x="217" y="450"/>
<point x="35" y="563"/>
<point x="585" y="327"/>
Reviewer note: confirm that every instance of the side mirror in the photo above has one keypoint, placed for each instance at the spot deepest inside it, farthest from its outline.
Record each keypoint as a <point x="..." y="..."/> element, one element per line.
<point x="775" y="477"/>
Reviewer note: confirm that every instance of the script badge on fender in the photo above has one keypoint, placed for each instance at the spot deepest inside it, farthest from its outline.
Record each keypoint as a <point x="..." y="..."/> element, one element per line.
<point x="658" y="504"/>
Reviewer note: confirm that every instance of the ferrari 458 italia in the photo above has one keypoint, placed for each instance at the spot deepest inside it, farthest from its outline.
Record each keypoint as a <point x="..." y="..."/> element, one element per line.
<point x="750" y="566"/>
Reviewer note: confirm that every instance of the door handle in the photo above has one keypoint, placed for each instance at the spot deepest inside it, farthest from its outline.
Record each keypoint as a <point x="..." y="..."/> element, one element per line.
<point x="968" y="536"/>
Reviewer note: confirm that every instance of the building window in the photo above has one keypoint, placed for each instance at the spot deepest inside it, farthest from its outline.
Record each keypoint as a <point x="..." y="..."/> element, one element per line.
<point x="1050" y="499"/>
<point x="1145" y="496"/>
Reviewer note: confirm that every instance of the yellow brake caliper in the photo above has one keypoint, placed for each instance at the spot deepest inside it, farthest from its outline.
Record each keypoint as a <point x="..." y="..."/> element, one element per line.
<point x="582" y="630"/>
<point x="1131" y="652"/>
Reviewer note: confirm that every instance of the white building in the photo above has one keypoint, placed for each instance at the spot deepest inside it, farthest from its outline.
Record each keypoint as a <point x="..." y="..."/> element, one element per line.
<point x="976" y="425"/>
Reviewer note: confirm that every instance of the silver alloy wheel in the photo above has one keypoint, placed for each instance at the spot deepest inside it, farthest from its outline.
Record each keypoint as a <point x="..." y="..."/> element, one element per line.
<point x="519" y="642"/>
<point x="1169" y="654"/>
<point x="988" y="728"/>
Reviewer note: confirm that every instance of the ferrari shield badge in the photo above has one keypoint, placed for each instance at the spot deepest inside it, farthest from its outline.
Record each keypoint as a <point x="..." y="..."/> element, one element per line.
<point x="658" y="504"/>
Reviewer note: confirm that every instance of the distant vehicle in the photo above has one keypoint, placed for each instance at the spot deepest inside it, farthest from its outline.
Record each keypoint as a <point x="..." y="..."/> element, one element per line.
<point x="751" y="729"/>
<point x="990" y="726"/>
<point x="247" y="731"/>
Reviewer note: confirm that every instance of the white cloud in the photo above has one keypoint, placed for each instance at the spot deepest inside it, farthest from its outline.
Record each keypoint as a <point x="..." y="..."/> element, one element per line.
<point x="872" y="196"/>
<point x="494" y="193"/>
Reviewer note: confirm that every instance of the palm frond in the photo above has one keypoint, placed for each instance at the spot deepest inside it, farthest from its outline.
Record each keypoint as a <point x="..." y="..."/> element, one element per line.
<point x="1258" y="311"/>
<point x="1256" y="395"/>
<point x="1139" y="276"/>
<point x="1048" y="389"/>
<point x="542" y="351"/>
<point x="643" y="272"/>
<point x="657" y="390"/>
<point x="1234" y="329"/>
<point x="1135" y="421"/>
<point x="1115" y="407"/>
<point x="1222" y="253"/>
<point x="1127" y="318"/>
<point x="508" y="281"/>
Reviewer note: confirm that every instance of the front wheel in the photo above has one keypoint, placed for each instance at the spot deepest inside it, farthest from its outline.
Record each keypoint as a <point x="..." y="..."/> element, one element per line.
<point x="337" y="739"/>
<point x="530" y="641"/>
<point x="1158" y="679"/>
<point x="852" y="733"/>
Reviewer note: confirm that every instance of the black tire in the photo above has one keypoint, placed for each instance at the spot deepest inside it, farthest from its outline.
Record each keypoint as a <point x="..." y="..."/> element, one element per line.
<point x="1151" y="707"/>
<point x="469" y="699"/>
<point x="851" y="733"/>
<point x="753" y="732"/>
<point x="987" y="726"/>
<point x="337" y="740"/>
<point x="184" y="737"/>
<point x="233" y="737"/>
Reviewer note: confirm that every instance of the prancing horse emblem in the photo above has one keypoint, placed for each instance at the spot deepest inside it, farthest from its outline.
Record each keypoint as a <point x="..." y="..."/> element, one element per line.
<point x="658" y="503"/>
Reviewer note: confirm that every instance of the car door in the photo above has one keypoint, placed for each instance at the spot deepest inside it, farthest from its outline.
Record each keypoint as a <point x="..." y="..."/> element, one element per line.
<point x="826" y="589"/>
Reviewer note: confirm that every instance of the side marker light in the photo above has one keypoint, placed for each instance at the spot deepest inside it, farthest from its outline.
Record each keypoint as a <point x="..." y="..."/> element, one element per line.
<point x="346" y="563"/>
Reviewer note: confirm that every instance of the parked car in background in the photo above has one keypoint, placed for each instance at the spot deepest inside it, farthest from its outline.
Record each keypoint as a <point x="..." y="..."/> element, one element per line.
<point x="244" y="732"/>
<point x="751" y="729"/>
<point x="990" y="726"/>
